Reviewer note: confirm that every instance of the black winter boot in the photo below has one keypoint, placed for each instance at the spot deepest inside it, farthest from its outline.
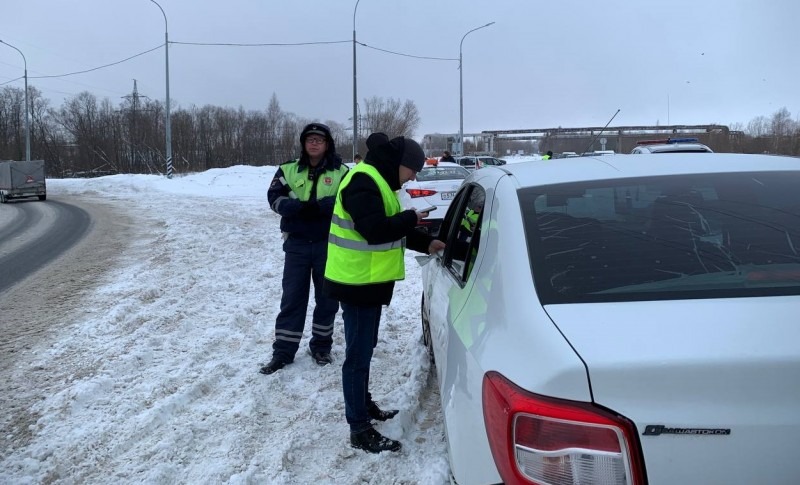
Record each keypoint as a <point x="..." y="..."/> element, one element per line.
<point x="371" y="441"/>
<point x="378" y="414"/>
<point x="273" y="366"/>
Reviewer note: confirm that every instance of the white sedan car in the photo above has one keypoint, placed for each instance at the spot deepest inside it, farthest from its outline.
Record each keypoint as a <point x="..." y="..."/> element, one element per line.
<point x="435" y="186"/>
<point x="671" y="145"/>
<point x="606" y="321"/>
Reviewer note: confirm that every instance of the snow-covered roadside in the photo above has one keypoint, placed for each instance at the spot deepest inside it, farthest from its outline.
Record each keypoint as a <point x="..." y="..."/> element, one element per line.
<point x="166" y="388"/>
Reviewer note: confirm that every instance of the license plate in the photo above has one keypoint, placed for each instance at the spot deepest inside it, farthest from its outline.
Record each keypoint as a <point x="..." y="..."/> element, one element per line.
<point x="448" y="195"/>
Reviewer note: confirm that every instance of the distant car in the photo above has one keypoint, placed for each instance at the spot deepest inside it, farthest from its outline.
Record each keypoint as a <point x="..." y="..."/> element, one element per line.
<point x="605" y="320"/>
<point x="671" y="145"/>
<point x="597" y="153"/>
<point x="436" y="185"/>
<point x="475" y="162"/>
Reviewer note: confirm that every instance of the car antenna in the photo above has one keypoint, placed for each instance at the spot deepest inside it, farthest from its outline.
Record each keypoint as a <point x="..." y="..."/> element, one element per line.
<point x="600" y="133"/>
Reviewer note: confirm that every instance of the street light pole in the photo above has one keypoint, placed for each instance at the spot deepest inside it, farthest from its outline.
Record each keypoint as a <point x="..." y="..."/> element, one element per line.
<point x="355" y="95"/>
<point x="27" y="116"/>
<point x="167" y="116"/>
<point x="461" y="90"/>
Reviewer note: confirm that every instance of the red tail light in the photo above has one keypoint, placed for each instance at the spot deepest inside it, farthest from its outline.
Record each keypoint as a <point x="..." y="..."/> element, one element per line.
<point x="542" y="440"/>
<point x="414" y="193"/>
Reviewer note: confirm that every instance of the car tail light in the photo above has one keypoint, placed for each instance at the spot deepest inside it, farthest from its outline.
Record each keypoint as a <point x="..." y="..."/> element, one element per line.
<point x="543" y="440"/>
<point x="414" y="193"/>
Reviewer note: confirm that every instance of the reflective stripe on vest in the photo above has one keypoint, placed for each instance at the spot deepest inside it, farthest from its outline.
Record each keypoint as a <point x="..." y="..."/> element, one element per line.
<point x="298" y="181"/>
<point x="351" y="259"/>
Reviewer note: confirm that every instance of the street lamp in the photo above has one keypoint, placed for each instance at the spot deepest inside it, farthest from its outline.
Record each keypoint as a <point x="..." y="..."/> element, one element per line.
<point x="355" y="96"/>
<point x="461" y="90"/>
<point x="27" y="117"/>
<point x="166" y="122"/>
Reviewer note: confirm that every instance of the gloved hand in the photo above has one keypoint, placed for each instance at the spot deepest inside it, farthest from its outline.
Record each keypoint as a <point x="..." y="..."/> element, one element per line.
<point x="308" y="210"/>
<point x="326" y="205"/>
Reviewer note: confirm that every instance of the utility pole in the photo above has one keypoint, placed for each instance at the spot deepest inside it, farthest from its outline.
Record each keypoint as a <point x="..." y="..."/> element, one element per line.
<point x="134" y="109"/>
<point x="27" y="115"/>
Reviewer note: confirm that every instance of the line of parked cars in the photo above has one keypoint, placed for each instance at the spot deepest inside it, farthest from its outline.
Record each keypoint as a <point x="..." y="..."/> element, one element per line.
<point x="605" y="320"/>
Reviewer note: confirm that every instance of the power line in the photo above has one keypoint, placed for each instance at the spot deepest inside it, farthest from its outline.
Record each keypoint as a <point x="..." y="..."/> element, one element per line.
<point x="17" y="79"/>
<point x="407" y="55"/>
<point x="100" y="67"/>
<point x="267" y="44"/>
<point x="231" y="44"/>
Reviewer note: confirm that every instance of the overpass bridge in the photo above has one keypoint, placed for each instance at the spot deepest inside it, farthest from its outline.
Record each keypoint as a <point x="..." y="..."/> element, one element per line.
<point x="621" y="139"/>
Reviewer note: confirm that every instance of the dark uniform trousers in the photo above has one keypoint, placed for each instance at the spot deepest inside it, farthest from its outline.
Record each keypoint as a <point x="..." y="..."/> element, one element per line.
<point x="305" y="261"/>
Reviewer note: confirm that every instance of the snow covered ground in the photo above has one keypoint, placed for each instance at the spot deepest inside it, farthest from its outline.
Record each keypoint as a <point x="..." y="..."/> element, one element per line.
<point x="163" y="384"/>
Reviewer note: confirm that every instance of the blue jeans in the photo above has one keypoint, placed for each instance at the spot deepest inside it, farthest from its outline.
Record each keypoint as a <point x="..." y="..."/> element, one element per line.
<point x="305" y="261"/>
<point x="361" y="336"/>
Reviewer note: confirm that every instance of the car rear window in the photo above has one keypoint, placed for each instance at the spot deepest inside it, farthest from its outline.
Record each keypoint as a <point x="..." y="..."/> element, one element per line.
<point x="667" y="237"/>
<point x="442" y="173"/>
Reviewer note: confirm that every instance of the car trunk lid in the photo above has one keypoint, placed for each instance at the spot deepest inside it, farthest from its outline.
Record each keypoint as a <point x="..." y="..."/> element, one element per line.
<point x="713" y="386"/>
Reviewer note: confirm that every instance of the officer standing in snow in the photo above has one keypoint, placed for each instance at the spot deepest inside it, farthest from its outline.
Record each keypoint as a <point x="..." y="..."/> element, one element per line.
<point x="368" y="237"/>
<point x="303" y="192"/>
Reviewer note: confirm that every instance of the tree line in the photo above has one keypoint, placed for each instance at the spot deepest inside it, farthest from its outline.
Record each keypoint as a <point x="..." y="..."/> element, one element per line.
<point x="90" y="135"/>
<point x="86" y="135"/>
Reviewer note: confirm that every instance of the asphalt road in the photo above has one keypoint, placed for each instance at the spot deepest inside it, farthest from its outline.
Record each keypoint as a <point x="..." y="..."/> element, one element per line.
<point x="53" y="255"/>
<point x="34" y="233"/>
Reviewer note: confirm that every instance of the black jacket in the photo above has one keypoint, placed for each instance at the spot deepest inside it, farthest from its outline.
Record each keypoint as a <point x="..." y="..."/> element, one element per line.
<point x="362" y="200"/>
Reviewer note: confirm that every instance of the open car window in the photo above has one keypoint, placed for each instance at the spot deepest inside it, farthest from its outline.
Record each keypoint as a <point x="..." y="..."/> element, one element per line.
<point x="462" y="225"/>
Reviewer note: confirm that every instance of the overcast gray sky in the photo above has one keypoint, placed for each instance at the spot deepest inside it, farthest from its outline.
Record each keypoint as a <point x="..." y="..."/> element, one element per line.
<point x="542" y="64"/>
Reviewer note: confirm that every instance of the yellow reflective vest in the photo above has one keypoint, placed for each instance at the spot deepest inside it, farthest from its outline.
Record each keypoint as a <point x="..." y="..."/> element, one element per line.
<point x="470" y="220"/>
<point x="301" y="186"/>
<point x="351" y="259"/>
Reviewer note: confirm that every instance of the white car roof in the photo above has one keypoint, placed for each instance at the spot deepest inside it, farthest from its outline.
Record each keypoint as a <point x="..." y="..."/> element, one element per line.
<point x="674" y="147"/>
<point x="563" y="170"/>
<point x="443" y="164"/>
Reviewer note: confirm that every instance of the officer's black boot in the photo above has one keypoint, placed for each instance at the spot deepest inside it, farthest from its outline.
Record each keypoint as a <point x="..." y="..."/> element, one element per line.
<point x="371" y="441"/>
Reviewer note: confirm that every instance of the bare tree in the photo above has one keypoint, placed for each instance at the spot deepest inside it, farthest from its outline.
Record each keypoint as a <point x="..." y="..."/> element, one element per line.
<point x="391" y="116"/>
<point x="782" y="127"/>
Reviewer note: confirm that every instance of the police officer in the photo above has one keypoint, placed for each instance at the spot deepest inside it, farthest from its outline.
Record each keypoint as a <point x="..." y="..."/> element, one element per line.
<point x="446" y="157"/>
<point x="369" y="233"/>
<point x="303" y="192"/>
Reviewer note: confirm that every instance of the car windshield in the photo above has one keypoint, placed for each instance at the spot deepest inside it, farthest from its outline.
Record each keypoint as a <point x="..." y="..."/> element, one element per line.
<point x="666" y="237"/>
<point x="428" y="174"/>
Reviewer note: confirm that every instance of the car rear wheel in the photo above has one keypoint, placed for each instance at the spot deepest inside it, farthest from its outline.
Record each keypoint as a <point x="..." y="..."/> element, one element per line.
<point x="426" y="333"/>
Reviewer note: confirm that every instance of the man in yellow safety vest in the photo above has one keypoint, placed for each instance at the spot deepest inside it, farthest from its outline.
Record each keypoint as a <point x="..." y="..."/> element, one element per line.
<point x="303" y="192"/>
<point x="368" y="236"/>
